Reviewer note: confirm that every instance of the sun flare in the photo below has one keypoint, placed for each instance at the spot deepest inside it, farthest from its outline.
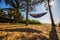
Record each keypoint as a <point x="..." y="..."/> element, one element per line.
<point x="52" y="3"/>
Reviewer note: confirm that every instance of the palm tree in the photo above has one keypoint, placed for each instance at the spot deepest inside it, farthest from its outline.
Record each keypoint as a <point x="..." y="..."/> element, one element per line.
<point x="27" y="14"/>
<point x="51" y="16"/>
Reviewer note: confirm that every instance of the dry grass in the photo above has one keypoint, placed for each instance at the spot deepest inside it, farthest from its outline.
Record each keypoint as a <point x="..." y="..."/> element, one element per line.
<point x="12" y="32"/>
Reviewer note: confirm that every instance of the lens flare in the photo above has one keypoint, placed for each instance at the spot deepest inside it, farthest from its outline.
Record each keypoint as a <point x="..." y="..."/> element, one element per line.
<point x="52" y="3"/>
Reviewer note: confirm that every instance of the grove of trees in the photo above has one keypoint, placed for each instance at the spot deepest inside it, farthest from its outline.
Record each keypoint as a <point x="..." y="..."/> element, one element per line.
<point x="28" y="6"/>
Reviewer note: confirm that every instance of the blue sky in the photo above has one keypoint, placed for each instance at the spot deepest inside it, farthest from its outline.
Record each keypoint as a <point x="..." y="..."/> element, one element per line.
<point x="40" y="9"/>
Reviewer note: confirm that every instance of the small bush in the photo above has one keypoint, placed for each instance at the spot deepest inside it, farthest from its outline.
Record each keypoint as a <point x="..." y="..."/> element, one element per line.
<point x="30" y="22"/>
<point x="22" y="21"/>
<point x="34" y="22"/>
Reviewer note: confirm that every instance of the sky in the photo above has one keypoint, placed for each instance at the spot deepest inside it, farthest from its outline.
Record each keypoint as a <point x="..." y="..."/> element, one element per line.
<point x="39" y="9"/>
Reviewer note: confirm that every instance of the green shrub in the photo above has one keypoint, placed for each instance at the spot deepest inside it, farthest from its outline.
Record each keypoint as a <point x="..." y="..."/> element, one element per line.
<point x="30" y="22"/>
<point x="22" y="21"/>
<point x="34" y="22"/>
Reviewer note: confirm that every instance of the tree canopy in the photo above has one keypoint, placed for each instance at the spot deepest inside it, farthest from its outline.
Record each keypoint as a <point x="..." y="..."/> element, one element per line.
<point x="22" y="3"/>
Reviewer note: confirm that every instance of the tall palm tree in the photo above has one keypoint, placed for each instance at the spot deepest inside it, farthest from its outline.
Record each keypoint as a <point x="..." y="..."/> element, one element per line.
<point x="27" y="14"/>
<point x="50" y="11"/>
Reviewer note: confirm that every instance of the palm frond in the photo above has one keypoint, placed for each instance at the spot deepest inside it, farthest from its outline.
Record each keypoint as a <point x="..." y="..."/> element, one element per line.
<point x="6" y="1"/>
<point x="10" y="2"/>
<point x="17" y="3"/>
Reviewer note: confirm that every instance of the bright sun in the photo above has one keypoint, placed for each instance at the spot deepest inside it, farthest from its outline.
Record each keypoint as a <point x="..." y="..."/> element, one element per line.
<point x="52" y="3"/>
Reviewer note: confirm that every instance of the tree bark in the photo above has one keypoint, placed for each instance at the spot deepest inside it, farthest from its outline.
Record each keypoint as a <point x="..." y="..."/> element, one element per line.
<point x="51" y="16"/>
<point x="27" y="14"/>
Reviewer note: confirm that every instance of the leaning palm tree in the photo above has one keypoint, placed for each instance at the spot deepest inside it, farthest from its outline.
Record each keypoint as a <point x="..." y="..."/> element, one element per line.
<point x="48" y="6"/>
<point x="51" y="16"/>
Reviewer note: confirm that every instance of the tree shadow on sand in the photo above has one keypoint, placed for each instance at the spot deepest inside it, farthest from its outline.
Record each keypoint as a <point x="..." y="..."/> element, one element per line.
<point x="1" y="38"/>
<point x="28" y="30"/>
<point x="35" y="37"/>
<point x="53" y="34"/>
<point x="22" y="30"/>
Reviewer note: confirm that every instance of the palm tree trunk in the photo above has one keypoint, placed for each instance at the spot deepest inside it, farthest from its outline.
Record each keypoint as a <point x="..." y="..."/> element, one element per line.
<point x="27" y="14"/>
<point x="51" y="16"/>
<point x="17" y="15"/>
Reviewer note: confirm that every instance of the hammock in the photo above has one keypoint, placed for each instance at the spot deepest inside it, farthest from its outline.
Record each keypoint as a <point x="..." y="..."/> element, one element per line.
<point x="38" y="15"/>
